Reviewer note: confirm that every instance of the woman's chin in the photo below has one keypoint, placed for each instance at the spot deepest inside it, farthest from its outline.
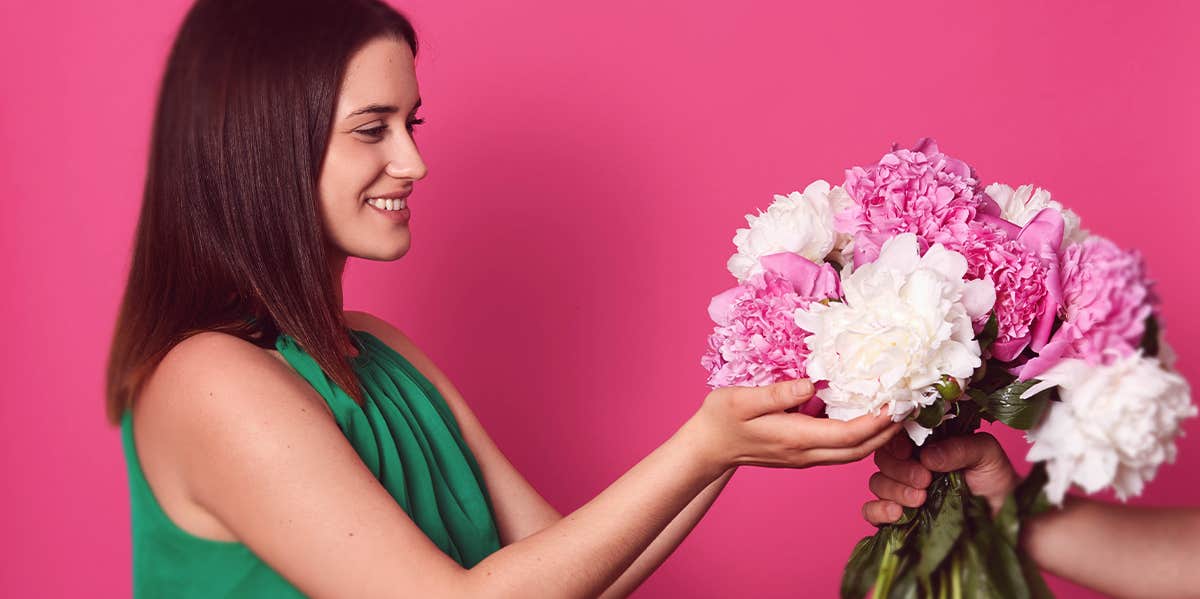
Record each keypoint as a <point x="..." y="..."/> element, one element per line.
<point x="385" y="254"/>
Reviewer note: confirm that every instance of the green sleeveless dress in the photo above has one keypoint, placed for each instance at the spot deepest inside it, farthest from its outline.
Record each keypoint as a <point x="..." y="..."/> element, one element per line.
<point x="404" y="432"/>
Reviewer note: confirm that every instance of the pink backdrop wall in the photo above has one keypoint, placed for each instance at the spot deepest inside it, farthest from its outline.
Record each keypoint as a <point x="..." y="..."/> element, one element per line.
<point x="588" y="169"/>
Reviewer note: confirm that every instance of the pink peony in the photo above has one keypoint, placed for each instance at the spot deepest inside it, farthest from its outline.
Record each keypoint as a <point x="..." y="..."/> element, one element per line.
<point x="919" y="191"/>
<point x="756" y="340"/>
<point x="1023" y="265"/>
<point x="1106" y="300"/>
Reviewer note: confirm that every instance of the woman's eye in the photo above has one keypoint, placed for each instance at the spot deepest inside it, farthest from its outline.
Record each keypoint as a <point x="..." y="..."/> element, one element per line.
<point x="412" y="123"/>
<point x="376" y="132"/>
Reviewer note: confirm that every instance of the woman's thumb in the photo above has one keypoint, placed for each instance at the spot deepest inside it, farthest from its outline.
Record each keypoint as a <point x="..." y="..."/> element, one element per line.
<point x="786" y="395"/>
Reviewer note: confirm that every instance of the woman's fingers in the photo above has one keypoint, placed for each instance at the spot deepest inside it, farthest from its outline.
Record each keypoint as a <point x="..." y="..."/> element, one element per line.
<point x="827" y="455"/>
<point x="885" y="488"/>
<point x="882" y="512"/>
<point x="827" y="432"/>
<point x="751" y="402"/>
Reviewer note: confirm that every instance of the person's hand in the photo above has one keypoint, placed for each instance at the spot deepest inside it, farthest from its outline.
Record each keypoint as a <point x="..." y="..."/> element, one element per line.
<point x="754" y="426"/>
<point x="902" y="480"/>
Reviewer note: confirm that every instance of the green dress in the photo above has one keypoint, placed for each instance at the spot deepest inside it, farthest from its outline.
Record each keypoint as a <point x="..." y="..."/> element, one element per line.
<point x="404" y="432"/>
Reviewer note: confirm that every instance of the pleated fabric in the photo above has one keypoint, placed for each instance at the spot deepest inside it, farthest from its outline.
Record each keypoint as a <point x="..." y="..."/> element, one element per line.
<point x="404" y="432"/>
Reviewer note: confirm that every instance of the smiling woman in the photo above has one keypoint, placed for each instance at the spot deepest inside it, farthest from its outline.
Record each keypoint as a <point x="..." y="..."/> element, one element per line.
<point x="372" y="159"/>
<point x="277" y="445"/>
<point x="241" y="150"/>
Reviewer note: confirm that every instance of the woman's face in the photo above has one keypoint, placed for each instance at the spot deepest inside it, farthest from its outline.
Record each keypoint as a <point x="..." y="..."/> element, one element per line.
<point x="371" y="160"/>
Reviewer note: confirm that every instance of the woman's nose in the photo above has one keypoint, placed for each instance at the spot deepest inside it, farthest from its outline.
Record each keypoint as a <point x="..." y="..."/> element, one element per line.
<point x="405" y="161"/>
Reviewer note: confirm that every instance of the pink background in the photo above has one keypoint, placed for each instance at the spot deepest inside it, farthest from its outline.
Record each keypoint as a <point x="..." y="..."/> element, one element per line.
<point x="588" y="169"/>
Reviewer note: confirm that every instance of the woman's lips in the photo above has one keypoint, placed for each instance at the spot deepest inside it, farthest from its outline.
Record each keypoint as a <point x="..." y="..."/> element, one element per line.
<point x="401" y="215"/>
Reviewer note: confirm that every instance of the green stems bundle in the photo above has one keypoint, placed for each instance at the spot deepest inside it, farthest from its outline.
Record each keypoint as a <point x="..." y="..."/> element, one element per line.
<point x="953" y="546"/>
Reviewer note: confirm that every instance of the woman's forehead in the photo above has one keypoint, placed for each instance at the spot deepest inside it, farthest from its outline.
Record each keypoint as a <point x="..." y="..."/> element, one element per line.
<point x="381" y="72"/>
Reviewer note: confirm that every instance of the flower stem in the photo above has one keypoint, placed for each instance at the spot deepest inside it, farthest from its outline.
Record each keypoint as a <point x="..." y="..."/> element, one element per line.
<point x="955" y="576"/>
<point x="883" y="581"/>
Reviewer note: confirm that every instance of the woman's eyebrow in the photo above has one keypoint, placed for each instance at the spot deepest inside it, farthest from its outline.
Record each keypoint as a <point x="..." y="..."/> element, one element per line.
<point x="380" y="109"/>
<point x="374" y="109"/>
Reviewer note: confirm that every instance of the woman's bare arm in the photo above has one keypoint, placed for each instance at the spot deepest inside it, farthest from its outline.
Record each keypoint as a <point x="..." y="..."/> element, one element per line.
<point x="254" y="452"/>
<point x="667" y="540"/>
<point x="520" y="509"/>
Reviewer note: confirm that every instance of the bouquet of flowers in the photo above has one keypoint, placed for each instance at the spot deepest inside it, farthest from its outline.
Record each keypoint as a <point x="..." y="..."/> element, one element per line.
<point x="912" y="287"/>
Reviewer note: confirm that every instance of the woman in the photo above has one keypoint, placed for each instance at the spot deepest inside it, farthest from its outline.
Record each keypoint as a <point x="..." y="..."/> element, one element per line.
<point x="278" y="445"/>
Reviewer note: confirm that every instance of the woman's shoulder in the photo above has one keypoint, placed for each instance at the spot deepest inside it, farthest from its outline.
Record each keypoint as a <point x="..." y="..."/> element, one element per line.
<point x="213" y="375"/>
<point x="210" y="362"/>
<point x="213" y="394"/>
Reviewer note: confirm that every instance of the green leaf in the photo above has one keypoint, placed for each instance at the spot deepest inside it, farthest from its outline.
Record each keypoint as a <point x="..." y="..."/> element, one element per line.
<point x="993" y="569"/>
<point x="965" y="421"/>
<point x="944" y="532"/>
<point x="904" y="587"/>
<point x="996" y="377"/>
<point x="979" y="399"/>
<point x="1006" y="405"/>
<point x="1008" y="520"/>
<point x="863" y="566"/>
<point x="1030" y="495"/>
<point x="990" y="331"/>
<point x="1007" y="576"/>
<point x="980" y="373"/>
<point x="1038" y="589"/>
<point x="1149" y="343"/>
<point x="975" y="580"/>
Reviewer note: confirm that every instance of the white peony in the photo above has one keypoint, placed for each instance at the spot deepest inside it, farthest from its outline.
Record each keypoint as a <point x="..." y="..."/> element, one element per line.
<point x="801" y="223"/>
<point x="1114" y="426"/>
<point x="1019" y="206"/>
<point x="843" y="245"/>
<point x="905" y="323"/>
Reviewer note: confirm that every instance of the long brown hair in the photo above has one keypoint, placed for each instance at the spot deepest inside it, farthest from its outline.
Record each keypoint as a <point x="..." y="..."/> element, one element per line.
<point x="229" y="237"/>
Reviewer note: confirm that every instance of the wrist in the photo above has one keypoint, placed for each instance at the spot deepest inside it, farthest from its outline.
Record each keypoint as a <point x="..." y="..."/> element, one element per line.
<point x="702" y="449"/>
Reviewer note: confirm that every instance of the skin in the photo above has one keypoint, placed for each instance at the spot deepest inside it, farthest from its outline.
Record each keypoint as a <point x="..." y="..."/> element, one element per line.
<point x="219" y="411"/>
<point x="1121" y="551"/>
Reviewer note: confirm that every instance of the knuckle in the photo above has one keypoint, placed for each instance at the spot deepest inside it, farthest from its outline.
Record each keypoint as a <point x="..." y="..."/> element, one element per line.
<point x="876" y="483"/>
<point x="723" y="398"/>
<point x="778" y="396"/>
<point x="919" y="477"/>
<point x="915" y="497"/>
<point x="954" y="453"/>
<point x="713" y="397"/>
<point x="796" y="442"/>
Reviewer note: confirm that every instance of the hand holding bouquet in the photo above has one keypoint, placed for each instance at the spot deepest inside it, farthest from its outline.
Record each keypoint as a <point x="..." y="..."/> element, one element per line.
<point x="913" y="289"/>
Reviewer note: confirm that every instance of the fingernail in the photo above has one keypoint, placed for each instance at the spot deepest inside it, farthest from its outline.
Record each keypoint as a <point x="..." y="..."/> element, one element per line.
<point x="935" y="454"/>
<point x="802" y="387"/>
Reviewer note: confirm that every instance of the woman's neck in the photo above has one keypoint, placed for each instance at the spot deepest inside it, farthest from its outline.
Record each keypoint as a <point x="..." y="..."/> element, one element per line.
<point x="337" y="266"/>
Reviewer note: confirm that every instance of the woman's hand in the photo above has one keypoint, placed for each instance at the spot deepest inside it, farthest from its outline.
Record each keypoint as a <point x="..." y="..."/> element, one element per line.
<point x="902" y="480"/>
<point x="752" y="426"/>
